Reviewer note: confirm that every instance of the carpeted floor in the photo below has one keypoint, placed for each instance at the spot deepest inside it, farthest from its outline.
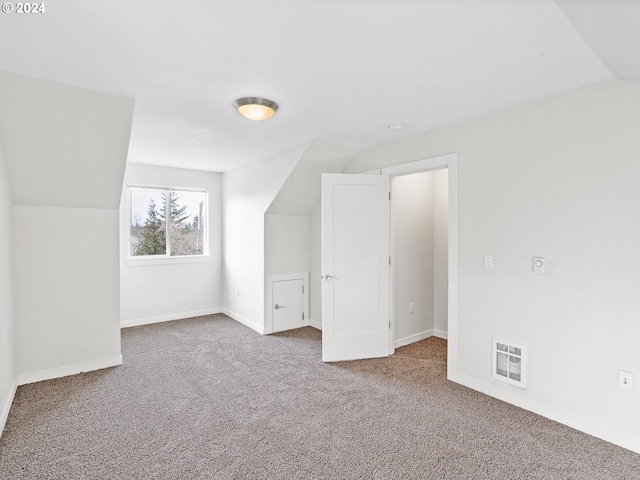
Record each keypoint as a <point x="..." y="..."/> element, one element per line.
<point x="208" y="398"/>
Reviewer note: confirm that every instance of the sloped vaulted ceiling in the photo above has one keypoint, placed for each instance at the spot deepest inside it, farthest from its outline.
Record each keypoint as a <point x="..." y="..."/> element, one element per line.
<point x="612" y="29"/>
<point x="63" y="146"/>
<point x="341" y="70"/>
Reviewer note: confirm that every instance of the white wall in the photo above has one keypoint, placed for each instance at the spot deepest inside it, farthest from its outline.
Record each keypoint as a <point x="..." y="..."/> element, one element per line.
<point x="419" y="217"/>
<point x="300" y="195"/>
<point x="247" y="193"/>
<point x="66" y="290"/>
<point x="286" y="247"/>
<point x="440" y="251"/>
<point x="556" y="178"/>
<point x="65" y="150"/>
<point x="286" y="244"/>
<point x="7" y="369"/>
<point x="412" y="262"/>
<point x="157" y="292"/>
<point x="64" y="146"/>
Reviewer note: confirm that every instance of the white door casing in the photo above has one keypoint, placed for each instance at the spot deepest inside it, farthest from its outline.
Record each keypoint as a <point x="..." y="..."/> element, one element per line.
<point x="449" y="161"/>
<point x="355" y="267"/>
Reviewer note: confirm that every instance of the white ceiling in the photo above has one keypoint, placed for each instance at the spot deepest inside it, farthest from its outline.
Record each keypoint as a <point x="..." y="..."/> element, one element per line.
<point x="341" y="70"/>
<point x="612" y="29"/>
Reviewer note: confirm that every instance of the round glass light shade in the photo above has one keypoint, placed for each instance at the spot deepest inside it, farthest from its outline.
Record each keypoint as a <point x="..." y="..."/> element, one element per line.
<point x="255" y="108"/>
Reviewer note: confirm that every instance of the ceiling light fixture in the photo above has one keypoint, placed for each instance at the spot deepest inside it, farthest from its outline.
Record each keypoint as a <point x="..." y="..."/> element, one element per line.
<point x="255" y="108"/>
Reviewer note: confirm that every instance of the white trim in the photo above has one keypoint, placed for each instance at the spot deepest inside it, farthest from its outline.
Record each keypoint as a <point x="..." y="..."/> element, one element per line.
<point x="513" y="395"/>
<point x="315" y="324"/>
<point x="167" y="318"/>
<point x="401" y="342"/>
<point x="33" y="377"/>
<point x="6" y="406"/>
<point x="440" y="333"/>
<point x="166" y="260"/>
<point x="304" y="276"/>
<point x="426" y="165"/>
<point x="244" y="321"/>
<point x="166" y="187"/>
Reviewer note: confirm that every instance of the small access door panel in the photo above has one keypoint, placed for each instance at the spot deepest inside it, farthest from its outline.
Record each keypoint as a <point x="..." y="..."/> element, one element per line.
<point x="287" y="305"/>
<point x="287" y="301"/>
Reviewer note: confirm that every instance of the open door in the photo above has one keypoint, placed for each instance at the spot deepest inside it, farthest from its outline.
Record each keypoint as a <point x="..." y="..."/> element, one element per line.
<point x="355" y="267"/>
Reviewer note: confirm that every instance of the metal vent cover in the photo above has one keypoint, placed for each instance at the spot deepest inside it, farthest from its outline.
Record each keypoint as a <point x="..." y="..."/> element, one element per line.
<point x="509" y="363"/>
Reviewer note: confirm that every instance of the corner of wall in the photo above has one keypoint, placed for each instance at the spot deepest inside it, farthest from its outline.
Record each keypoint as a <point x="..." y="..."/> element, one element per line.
<point x="247" y="193"/>
<point x="8" y="383"/>
<point x="5" y="406"/>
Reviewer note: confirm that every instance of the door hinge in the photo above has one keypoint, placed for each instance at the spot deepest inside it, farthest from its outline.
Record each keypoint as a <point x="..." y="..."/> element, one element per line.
<point x="389" y="195"/>
<point x="389" y="324"/>
<point x="389" y="260"/>
<point x="302" y="315"/>
<point x="303" y="289"/>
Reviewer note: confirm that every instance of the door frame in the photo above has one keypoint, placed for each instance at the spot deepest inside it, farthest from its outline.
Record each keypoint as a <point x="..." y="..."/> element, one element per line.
<point x="450" y="162"/>
<point x="304" y="276"/>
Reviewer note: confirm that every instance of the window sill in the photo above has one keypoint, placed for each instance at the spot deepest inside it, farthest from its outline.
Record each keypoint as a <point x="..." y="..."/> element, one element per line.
<point x="144" y="261"/>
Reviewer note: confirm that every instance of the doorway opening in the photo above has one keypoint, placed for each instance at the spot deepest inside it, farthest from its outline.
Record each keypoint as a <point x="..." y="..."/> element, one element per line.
<point x="419" y="252"/>
<point x="357" y="211"/>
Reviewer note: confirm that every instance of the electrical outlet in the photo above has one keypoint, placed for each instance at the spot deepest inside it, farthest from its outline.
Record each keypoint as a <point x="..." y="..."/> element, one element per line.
<point x="625" y="380"/>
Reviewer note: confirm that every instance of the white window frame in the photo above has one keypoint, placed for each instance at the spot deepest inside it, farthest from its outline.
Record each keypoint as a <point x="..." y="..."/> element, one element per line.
<point x="167" y="259"/>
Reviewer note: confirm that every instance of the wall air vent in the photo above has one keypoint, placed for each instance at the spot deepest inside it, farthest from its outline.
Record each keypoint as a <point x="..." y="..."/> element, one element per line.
<point x="509" y="363"/>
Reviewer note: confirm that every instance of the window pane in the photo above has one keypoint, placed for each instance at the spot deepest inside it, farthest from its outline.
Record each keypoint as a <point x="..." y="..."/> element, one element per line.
<point x="502" y="364"/>
<point x="147" y="228"/>
<point x="186" y="226"/>
<point x="515" y="367"/>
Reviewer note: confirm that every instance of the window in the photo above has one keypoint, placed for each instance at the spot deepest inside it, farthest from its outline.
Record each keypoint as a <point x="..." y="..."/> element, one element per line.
<point x="167" y="222"/>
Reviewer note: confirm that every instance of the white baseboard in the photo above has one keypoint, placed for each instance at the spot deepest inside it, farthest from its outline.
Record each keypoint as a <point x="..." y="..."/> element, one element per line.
<point x="136" y="322"/>
<point x="315" y="324"/>
<point x="6" y="406"/>
<point x="441" y="333"/>
<point x="401" y="342"/>
<point x="69" y="370"/>
<point x="245" y="321"/>
<point x="622" y="439"/>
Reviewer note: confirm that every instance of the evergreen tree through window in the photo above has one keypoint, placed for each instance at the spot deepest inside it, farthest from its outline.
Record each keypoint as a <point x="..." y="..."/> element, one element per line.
<point x="167" y="222"/>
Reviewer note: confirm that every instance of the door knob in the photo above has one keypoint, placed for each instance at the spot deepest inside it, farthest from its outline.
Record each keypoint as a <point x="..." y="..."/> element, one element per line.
<point x="330" y="277"/>
<point x="276" y="306"/>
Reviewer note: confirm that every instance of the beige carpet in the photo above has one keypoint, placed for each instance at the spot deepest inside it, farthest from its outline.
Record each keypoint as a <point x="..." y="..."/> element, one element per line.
<point x="207" y="398"/>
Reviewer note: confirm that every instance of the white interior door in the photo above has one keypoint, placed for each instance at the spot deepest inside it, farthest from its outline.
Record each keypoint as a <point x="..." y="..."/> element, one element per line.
<point x="355" y="267"/>
<point x="288" y="304"/>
